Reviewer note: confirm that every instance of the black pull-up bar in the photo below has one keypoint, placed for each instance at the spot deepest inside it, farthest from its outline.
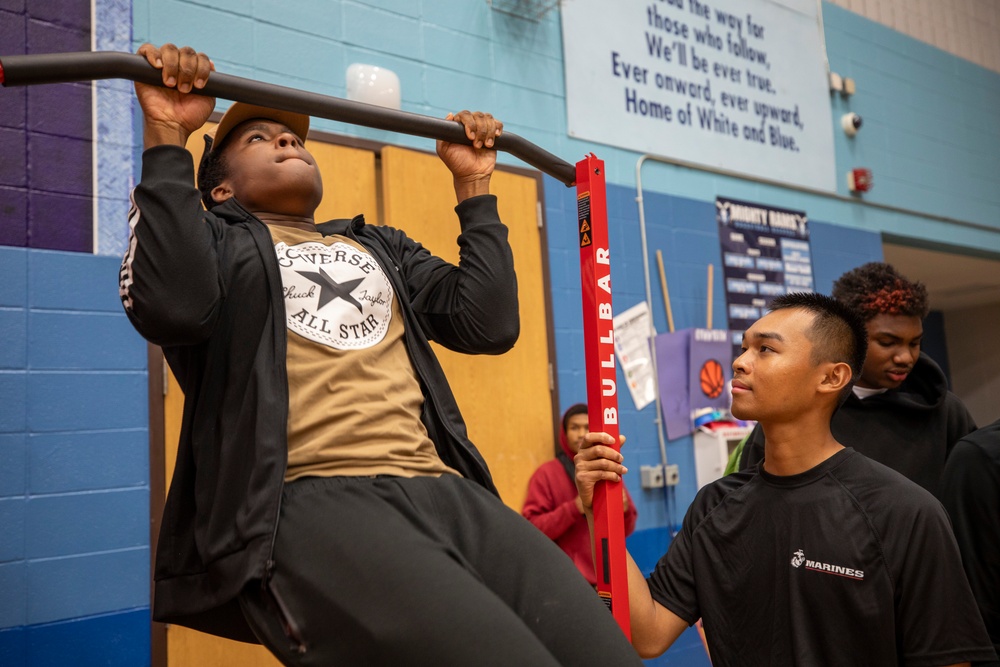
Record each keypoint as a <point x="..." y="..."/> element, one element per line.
<point x="89" y="66"/>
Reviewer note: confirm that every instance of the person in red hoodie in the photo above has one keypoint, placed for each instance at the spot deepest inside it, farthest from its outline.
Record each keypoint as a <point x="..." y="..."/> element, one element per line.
<point x="553" y="504"/>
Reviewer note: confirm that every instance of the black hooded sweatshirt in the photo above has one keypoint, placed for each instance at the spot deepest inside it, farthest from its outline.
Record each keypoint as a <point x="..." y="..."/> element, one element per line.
<point x="970" y="491"/>
<point x="911" y="428"/>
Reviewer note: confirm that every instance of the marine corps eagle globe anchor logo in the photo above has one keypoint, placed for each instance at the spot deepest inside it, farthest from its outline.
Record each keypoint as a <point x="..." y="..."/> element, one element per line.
<point x="798" y="558"/>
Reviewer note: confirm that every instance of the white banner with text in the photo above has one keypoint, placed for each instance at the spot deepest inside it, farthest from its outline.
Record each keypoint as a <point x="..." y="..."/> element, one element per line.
<point x="732" y="84"/>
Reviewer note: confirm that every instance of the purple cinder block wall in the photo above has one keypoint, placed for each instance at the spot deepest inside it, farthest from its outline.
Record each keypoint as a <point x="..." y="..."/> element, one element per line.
<point x="46" y="175"/>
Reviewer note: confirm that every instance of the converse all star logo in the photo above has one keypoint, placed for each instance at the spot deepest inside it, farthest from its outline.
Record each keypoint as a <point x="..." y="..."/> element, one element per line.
<point x="335" y="295"/>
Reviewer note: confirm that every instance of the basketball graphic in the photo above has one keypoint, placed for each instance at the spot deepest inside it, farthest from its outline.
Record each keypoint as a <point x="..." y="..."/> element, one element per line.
<point x="712" y="379"/>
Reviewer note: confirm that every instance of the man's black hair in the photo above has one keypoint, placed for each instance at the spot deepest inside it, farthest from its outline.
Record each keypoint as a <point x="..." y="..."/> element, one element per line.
<point x="838" y="333"/>
<point x="877" y="288"/>
<point x="211" y="172"/>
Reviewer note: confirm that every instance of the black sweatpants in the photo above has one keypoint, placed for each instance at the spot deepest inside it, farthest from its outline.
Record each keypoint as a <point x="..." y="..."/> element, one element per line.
<point x="425" y="571"/>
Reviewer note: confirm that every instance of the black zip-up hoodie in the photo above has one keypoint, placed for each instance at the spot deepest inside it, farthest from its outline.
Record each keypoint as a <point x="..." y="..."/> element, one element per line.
<point x="206" y="287"/>
<point x="911" y="428"/>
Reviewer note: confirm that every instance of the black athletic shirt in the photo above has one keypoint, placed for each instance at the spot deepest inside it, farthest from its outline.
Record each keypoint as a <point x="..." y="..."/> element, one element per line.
<point x="970" y="491"/>
<point x="848" y="563"/>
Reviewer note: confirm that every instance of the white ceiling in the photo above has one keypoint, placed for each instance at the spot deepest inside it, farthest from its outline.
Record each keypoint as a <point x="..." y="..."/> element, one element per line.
<point x="954" y="282"/>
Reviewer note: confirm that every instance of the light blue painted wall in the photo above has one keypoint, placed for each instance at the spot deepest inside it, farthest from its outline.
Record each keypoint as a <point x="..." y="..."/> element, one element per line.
<point x="72" y="374"/>
<point x="927" y="134"/>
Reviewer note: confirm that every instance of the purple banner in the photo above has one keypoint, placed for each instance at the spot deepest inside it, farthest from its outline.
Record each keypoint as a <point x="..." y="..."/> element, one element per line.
<point x="694" y="368"/>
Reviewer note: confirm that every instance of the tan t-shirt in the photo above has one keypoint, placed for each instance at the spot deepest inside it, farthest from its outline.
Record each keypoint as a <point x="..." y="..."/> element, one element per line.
<point x="354" y="400"/>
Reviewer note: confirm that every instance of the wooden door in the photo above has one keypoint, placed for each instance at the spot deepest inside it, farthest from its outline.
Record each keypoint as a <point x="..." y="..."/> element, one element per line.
<point x="506" y="400"/>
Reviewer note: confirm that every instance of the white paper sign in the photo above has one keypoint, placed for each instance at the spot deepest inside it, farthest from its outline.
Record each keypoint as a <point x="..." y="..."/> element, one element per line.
<point x="733" y="84"/>
<point x="632" y="331"/>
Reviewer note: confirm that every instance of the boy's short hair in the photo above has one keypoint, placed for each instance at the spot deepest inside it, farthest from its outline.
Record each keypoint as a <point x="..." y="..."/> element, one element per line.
<point x="838" y="333"/>
<point x="211" y="172"/>
<point x="877" y="288"/>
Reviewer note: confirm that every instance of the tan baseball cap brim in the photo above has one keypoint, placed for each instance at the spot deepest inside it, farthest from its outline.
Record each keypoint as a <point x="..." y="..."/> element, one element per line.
<point x="240" y="112"/>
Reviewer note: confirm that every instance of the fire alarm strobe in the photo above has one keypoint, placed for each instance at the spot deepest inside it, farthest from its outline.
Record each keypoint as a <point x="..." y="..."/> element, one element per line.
<point x="859" y="180"/>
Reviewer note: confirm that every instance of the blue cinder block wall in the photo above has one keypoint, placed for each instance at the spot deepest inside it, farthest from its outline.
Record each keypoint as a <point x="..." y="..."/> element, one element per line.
<point x="74" y="492"/>
<point x="74" y="479"/>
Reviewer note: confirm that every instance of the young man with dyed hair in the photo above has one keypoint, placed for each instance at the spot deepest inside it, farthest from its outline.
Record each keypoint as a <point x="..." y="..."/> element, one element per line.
<point x="900" y="412"/>
<point x="818" y="555"/>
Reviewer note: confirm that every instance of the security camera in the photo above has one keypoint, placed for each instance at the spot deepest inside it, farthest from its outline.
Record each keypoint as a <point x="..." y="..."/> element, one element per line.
<point x="851" y="122"/>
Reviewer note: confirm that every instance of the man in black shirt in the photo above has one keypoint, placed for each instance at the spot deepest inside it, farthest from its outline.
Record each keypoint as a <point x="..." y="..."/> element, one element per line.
<point x="818" y="555"/>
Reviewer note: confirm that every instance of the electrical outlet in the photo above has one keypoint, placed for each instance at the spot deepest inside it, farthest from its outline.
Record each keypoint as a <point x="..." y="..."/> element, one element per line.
<point x="651" y="477"/>
<point x="671" y="475"/>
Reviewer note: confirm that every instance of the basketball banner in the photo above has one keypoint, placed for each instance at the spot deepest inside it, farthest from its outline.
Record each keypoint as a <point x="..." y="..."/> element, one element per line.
<point x="694" y="367"/>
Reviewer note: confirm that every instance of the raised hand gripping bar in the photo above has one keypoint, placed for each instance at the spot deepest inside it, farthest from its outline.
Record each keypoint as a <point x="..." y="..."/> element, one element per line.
<point x="89" y="66"/>
<point x="595" y="267"/>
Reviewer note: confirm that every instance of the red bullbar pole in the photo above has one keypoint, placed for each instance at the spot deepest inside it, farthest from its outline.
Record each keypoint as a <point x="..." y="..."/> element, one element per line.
<point x="602" y="391"/>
